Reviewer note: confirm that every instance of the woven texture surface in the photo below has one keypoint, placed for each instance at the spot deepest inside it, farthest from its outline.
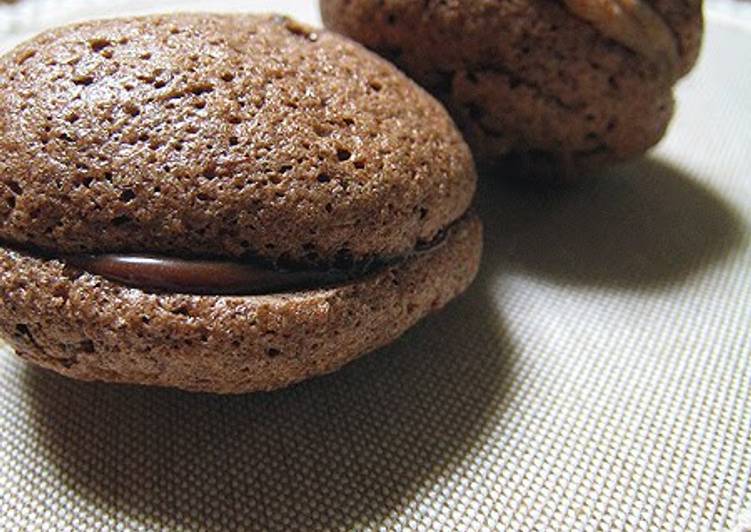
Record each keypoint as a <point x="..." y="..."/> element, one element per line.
<point x="596" y="376"/>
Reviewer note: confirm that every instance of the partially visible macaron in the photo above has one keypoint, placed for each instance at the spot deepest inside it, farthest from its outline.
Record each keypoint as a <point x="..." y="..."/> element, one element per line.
<point x="221" y="203"/>
<point x="569" y="86"/>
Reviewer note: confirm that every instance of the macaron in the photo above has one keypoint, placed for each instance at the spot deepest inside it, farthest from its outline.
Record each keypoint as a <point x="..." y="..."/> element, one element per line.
<point x="221" y="203"/>
<point x="567" y="86"/>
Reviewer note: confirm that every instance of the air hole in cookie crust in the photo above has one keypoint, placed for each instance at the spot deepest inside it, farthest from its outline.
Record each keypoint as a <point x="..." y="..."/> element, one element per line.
<point x="87" y="346"/>
<point x="99" y="44"/>
<point x="202" y="88"/>
<point x="343" y="155"/>
<point x="132" y="109"/>
<point x="61" y="291"/>
<point x="83" y="79"/>
<point x="209" y="172"/>
<point x="127" y="195"/>
<point x="273" y="352"/>
<point x="15" y="188"/>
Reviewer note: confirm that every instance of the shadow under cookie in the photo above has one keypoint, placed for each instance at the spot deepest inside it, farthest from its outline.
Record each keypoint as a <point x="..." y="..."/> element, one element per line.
<point x="646" y="224"/>
<point x="339" y="451"/>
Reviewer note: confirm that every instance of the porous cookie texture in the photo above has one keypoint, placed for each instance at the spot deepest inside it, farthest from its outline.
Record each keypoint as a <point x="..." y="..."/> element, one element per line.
<point x="89" y="328"/>
<point x="236" y="137"/>
<point x="571" y="84"/>
<point x="224" y="136"/>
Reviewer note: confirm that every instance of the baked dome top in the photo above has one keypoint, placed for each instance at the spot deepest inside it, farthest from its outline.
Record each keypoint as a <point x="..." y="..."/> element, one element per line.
<point x="223" y="136"/>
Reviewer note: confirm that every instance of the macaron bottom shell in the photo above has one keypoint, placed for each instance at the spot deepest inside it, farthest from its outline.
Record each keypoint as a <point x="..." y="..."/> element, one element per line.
<point x="86" y="327"/>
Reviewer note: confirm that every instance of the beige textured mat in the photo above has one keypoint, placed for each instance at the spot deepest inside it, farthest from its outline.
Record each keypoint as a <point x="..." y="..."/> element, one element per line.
<point x="596" y="376"/>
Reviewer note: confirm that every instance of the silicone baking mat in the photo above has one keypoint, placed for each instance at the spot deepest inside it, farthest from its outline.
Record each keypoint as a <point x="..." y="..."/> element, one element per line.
<point x="597" y="376"/>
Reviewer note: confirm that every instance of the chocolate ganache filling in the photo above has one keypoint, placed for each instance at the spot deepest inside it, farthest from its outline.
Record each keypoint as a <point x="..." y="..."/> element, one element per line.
<point x="224" y="277"/>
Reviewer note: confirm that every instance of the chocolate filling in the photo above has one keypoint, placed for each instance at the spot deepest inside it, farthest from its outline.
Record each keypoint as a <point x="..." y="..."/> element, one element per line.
<point x="222" y="277"/>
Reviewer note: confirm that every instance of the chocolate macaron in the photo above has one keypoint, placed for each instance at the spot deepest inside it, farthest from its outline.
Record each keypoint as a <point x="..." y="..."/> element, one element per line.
<point x="568" y="85"/>
<point x="221" y="203"/>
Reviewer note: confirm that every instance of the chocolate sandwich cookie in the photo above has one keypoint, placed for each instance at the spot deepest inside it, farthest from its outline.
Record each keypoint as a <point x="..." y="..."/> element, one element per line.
<point x="221" y="203"/>
<point x="568" y="85"/>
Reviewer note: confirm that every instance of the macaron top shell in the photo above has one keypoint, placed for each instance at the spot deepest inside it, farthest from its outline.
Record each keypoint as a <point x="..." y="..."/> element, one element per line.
<point x="581" y="81"/>
<point x="221" y="136"/>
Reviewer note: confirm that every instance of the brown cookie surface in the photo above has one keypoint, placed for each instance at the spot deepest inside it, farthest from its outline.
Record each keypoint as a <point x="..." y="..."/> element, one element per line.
<point x="573" y="84"/>
<point x="223" y="136"/>
<point x="86" y="327"/>
<point x="153" y="167"/>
